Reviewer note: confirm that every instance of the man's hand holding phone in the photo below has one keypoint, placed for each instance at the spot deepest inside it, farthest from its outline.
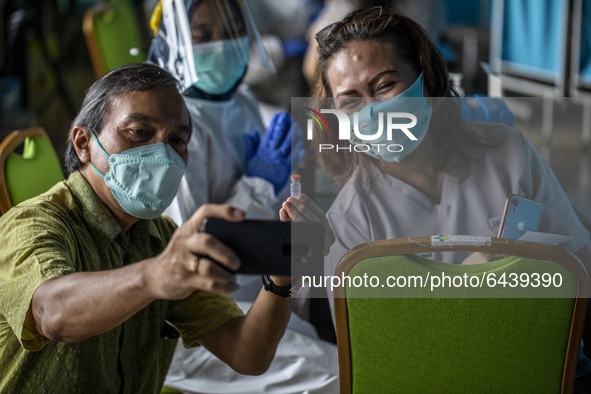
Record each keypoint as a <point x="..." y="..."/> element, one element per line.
<point x="182" y="267"/>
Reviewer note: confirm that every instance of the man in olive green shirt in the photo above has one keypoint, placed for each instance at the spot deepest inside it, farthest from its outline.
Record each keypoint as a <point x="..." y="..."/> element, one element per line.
<point x="92" y="277"/>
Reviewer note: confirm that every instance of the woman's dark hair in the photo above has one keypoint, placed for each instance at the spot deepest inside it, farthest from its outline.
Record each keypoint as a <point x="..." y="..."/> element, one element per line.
<point x="129" y="78"/>
<point x="456" y="143"/>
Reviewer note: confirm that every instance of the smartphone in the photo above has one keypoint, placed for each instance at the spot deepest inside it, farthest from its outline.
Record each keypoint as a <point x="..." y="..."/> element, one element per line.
<point x="520" y="215"/>
<point x="272" y="247"/>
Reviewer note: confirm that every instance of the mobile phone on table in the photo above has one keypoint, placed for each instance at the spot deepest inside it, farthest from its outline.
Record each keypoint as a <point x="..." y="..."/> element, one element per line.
<point x="272" y="247"/>
<point x="520" y="216"/>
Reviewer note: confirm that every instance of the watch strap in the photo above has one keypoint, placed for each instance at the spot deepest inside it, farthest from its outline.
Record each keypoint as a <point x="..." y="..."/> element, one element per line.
<point x="281" y="291"/>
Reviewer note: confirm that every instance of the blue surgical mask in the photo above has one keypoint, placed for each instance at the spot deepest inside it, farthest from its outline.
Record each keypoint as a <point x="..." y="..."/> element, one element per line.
<point x="219" y="65"/>
<point x="374" y="117"/>
<point x="144" y="180"/>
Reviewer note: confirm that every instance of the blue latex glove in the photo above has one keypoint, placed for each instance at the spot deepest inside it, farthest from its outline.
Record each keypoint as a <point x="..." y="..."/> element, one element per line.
<point x="272" y="157"/>
<point x="251" y="144"/>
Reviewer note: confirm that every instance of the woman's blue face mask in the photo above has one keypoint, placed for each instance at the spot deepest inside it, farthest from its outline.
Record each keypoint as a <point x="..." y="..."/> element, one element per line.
<point x="369" y="130"/>
<point x="144" y="180"/>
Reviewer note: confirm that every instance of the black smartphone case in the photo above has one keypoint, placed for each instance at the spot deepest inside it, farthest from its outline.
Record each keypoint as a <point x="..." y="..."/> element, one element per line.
<point x="272" y="247"/>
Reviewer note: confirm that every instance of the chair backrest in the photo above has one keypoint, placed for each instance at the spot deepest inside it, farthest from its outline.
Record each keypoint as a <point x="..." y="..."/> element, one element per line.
<point x="471" y="338"/>
<point x="111" y="30"/>
<point x="30" y="174"/>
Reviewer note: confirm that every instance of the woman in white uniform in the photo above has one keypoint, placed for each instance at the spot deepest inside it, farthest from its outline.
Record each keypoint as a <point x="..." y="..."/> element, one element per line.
<point x="205" y="44"/>
<point x="452" y="178"/>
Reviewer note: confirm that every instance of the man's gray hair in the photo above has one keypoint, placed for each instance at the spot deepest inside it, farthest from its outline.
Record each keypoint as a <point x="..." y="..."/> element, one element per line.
<point x="125" y="79"/>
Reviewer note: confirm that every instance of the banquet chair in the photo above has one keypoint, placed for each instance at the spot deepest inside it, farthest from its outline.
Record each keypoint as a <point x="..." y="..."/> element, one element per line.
<point x="31" y="173"/>
<point x="487" y="336"/>
<point x="113" y="36"/>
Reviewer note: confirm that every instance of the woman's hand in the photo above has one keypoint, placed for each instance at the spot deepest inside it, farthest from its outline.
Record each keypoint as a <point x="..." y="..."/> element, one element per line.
<point x="303" y="209"/>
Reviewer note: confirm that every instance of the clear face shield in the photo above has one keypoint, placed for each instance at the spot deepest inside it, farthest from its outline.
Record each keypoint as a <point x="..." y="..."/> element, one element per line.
<point x="206" y="43"/>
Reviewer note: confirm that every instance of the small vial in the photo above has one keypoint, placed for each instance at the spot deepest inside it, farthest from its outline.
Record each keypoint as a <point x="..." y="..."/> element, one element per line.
<point x="295" y="187"/>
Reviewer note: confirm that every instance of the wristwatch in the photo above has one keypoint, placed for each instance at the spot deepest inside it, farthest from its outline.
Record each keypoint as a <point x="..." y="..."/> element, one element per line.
<point x="281" y="291"/>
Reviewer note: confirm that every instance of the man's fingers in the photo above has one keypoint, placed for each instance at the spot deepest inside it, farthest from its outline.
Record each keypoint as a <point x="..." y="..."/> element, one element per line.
<point x="209" y="268"/>
<point x="208" y="245"/>
<point x="212" y="278"/>
<point x="226" y="212"/>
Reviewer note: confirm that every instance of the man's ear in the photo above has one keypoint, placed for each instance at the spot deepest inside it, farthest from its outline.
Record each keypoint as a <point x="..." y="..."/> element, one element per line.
<point x="81" y="141"/>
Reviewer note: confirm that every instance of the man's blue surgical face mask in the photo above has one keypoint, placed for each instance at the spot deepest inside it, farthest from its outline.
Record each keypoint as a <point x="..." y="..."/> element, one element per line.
<point x="219" y="65"/>
<point x="367" y="123"/>
<point x="144" y="180"/>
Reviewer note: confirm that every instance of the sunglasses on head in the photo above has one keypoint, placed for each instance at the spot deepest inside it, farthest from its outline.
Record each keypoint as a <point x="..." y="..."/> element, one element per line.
<point x="325" y="34"/>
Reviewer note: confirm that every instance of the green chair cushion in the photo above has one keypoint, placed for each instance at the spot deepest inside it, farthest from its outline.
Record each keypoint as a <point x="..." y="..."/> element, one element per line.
<point x="34" y="172"/>
<point x="452" y="345"/>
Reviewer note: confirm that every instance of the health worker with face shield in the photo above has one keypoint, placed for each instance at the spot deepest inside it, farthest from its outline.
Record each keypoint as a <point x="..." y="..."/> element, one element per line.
<point x="207" y="46"/>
